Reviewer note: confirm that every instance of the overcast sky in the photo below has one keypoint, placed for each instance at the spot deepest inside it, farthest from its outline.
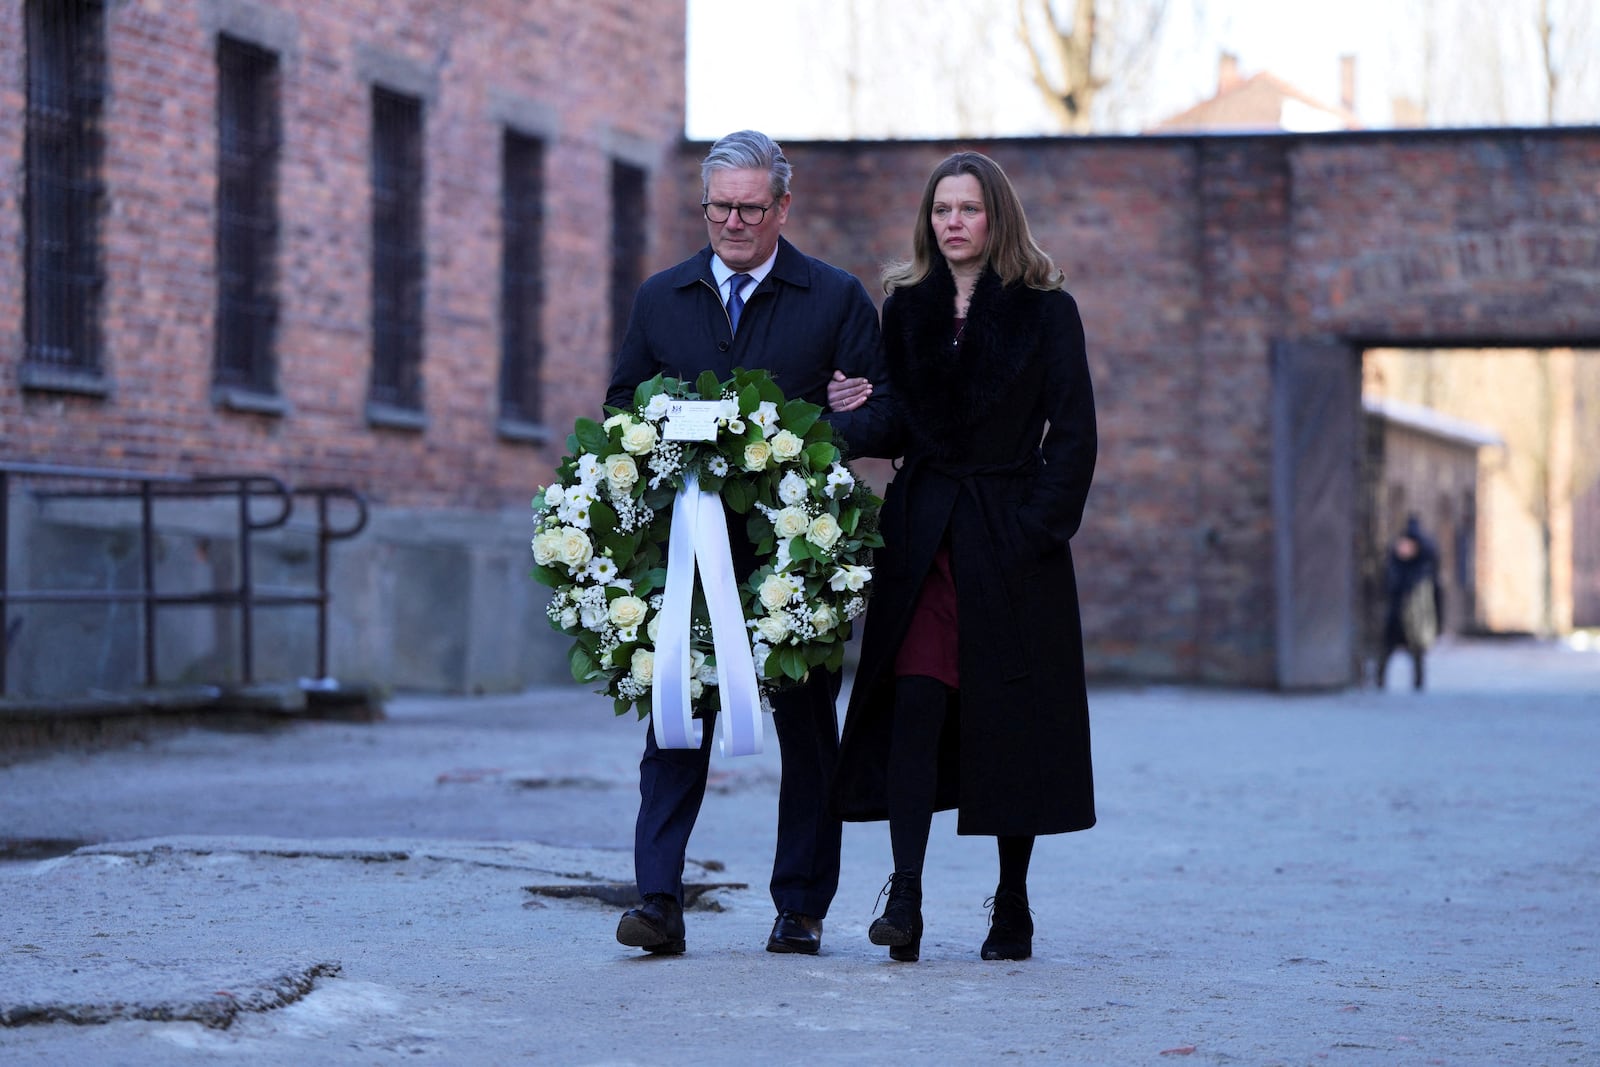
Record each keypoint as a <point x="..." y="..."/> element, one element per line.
<point x="940" y="68"/>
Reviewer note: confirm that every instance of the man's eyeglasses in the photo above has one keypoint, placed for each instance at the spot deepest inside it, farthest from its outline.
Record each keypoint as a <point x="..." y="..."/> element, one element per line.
<point x="749" y="214"/>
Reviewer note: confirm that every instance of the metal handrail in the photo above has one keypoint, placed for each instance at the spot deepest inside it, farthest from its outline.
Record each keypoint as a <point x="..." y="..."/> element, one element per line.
<point x="147" y="488"/>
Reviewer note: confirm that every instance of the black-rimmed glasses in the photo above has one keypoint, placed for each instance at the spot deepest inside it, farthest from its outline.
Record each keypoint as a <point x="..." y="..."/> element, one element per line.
<point x="749" y="214"/>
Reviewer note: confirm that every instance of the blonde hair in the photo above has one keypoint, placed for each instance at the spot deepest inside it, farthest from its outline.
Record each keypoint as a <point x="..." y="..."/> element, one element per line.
<point x="1012" y="252"/>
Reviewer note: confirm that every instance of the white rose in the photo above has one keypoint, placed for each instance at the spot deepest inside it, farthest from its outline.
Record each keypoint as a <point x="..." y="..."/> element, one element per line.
<point x="547" y="547"/>
<point x="574" y="547"/>
<point x="774" y="592"/>
<point x="594" y="617"/>
<point x="786" y="446"/>
<point x="824" y="618"/>
<point x="569" y="618"/>
<point x="656" y="407"/>
<point x="643" y="666"/>
<point x="552" y="497"/>
<point x="621" y="472"/>
<point x="756" y="455"/>
<point x="791" y="522"/>
<point x="774" y="628"/>
<point x="639" y="438"/>
<point x="824" y="531"/>
<point x="792" y="489"/>
<point x="618" y="419"/>
<point x="653" y="631"/>
<point x="626" y="611"/>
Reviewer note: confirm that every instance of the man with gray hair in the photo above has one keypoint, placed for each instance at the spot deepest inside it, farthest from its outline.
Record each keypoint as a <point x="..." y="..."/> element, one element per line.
<point x="750" y="299"/>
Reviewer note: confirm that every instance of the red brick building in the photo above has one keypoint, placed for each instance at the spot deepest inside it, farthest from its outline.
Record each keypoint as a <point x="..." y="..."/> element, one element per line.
<point x="1229" y="286"/>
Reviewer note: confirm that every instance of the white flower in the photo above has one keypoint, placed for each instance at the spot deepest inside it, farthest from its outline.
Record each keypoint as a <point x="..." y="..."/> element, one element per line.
<point x="793" y="488"/>
<point x="774" y="628"/>
<point x="850" y="577"/>
<point x="781" y="560"/>
<point x="574" y="548"/>
<point x="791" y="522"/>
<point x="639" y="438"/>
<point x="824" y="531"/>
<point x="728" y="413"/>
<point x="653" y="630"/>
<point x="594" y="616"/>
<point x="824" y="618"/>
<point x="756" y="455"/>
<point x="840" y="478"/>
<point x="643" y="666"/>
<point x="696" y="688"/>
<point x="718" y="466"/>
<point x="706" y="673"/>
<point x="774" y="592"/>
<point x="569" y="618"/>
<point x="766" y="417"/>
<point x="589" y="472"/>
<point x="547" y="547"/>
<point x="619" y="419"/>
<point x="600" y="570"/>
<point x="552" y="497"/>
<point x="759" y="651"/>
<point x="656" y="408"/>
<point x="787" y="446"/>
<point x="627" y="611"/>
<point x="621" y="473"/>
<point x="736" y="426"/>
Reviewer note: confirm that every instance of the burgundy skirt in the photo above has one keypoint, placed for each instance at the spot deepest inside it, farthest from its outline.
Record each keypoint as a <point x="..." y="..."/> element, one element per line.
<point x="930" y="647"/>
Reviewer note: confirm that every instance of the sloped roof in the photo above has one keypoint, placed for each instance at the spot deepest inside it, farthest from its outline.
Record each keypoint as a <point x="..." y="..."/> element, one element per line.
<point x="1262" y="102"/>
<point x="1432" y="422"/>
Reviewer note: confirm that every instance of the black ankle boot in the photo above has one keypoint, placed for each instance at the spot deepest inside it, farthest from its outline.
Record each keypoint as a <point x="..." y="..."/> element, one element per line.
<point x="900" y="925"/>
<point x="1010" y="926"/>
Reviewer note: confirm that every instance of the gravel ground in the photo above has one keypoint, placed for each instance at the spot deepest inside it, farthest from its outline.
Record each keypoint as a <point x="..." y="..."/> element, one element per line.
<point x="1353" y="878"/>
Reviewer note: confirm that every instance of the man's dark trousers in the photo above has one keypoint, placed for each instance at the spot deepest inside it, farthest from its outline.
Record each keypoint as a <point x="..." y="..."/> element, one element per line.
<point x="672" y="784"/>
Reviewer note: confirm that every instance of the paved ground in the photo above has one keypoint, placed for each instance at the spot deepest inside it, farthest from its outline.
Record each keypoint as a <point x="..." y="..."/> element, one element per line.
<point x="1358" y="878"/>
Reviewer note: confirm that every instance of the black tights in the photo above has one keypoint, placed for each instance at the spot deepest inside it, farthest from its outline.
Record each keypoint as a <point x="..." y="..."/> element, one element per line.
<point x="912" y="780"/>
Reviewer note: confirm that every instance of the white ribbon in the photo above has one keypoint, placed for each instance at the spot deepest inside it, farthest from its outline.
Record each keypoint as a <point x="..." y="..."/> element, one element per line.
<point x="700" y="534"/>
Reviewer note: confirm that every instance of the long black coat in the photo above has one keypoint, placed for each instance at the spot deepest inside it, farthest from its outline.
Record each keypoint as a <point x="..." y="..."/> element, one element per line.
<point x="974" y="472"/>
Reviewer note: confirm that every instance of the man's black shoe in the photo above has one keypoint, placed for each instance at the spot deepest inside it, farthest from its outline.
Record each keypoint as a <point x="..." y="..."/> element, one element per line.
<point x="794" y="932"/>
<point x="655" y="926"/>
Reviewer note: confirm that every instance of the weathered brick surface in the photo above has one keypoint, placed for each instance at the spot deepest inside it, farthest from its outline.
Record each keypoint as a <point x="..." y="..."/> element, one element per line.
<point x="592" y="75"/>
<point x="1190" y="256"/>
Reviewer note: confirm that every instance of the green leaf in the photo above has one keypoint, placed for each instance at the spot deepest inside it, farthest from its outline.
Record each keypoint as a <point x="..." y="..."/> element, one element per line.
<point x="749" y="399"/>
<point x="582" y="664"/>
<point x="708" y="385"/>
<point x="798" y="416"/>
<point x="821" y="455"/>
<point x="792" y="662"/>
<point x="592" y="437"/>
<point x="740" y="495"/>
<point x="647" y="389"/>
<point x="550" y="576"/>
<point x="835" y="660"/>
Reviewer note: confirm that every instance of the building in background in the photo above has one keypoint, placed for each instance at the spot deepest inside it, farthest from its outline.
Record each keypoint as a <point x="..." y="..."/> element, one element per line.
<point x="373" y="244"/>
<point x="1265" y="102"/>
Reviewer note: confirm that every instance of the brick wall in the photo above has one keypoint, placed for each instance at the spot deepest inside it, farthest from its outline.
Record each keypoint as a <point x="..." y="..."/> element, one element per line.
<point x="1191" y="258"/>
<point x="597" y="80"/>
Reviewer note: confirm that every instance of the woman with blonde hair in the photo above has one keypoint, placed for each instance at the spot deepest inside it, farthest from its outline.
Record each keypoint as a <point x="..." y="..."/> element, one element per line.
<point x="970" y="692"/>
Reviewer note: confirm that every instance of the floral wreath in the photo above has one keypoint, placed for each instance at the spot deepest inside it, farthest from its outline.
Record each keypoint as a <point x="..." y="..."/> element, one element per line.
<point x="601" y="528"/>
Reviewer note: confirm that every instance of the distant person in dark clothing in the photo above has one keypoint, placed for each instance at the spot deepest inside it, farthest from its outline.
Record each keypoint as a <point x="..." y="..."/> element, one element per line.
<point x="1414" y="600"/>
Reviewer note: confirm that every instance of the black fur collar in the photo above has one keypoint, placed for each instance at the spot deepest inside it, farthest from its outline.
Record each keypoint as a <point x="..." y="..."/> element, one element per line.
<point x="949" y="390"/>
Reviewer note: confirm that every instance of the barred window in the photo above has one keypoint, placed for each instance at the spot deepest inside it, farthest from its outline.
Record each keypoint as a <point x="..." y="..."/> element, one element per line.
<point x="521" y="277"/>
<point x="397" y="252"/>
<point x="66" y="70"/>
<point x="247" y="216"/>
<point x="629" y="226"/>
